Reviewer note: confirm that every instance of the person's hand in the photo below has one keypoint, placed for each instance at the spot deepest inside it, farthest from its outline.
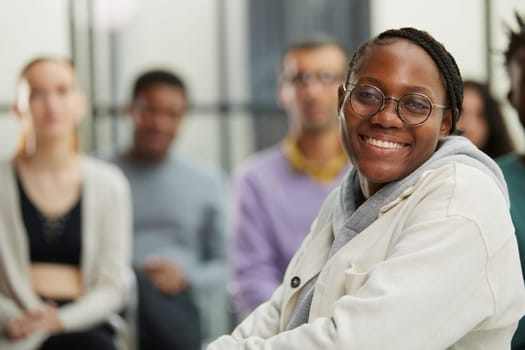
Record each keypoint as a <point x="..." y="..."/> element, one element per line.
<point x="165" y="275"/>
<point x="42" y="319"/>
<point x="46" y="319"/>
<point x="17" y="327"/>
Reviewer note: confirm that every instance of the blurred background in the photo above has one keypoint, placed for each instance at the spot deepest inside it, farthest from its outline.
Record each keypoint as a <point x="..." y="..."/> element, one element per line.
<point x="228" y="51"/>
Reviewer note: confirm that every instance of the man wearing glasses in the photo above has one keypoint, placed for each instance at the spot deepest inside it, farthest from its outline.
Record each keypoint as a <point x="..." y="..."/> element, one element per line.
<point x="278" y="192"/>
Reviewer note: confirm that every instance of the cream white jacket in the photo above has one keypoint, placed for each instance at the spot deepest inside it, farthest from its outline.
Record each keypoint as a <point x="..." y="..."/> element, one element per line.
<point x="439" y="269"/>
<point x="106" y="233"/>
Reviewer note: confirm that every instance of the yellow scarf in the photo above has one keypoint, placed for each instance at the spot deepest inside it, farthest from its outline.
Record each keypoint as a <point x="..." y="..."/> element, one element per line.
<point x="326" y="173"/>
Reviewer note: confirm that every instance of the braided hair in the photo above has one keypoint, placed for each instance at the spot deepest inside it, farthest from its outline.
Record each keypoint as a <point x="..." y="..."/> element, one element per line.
<point x="516" y="39"/>
<point x="446" y="64"/>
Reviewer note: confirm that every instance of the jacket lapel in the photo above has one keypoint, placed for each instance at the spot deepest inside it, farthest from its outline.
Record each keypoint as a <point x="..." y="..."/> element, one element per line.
<point x="88" y="221"/>
<point x="17" y="263"/>
<point x="305" y="265"/>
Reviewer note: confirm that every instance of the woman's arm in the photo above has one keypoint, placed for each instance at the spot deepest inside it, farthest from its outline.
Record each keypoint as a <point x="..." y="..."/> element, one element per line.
<point x="8" y="310"/>
<point x="263" y="322"/>
<point x="428" y="293"/>
<point x="107" y="291"/>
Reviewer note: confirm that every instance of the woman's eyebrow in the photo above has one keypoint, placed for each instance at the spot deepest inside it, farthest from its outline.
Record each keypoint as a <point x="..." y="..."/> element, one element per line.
<point x="379" y="84"/>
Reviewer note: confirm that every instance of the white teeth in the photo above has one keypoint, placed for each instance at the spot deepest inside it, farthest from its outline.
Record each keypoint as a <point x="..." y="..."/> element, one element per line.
<point x="383" y="144"/>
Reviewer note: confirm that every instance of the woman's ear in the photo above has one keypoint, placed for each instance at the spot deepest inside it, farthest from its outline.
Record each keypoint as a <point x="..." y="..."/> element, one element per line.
<point x="15" y="110"/>
<point x="21" y="104"/>
<point x="446" y="123"/>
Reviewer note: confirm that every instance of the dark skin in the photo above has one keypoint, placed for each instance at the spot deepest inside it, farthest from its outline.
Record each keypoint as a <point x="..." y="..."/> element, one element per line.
<point x="516" y="94"/>
<point x="382" y="147"/>
<point x="158" y="112"/>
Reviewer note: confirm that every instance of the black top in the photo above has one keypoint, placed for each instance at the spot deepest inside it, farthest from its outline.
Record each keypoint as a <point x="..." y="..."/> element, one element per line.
<point x="52" y="240"/>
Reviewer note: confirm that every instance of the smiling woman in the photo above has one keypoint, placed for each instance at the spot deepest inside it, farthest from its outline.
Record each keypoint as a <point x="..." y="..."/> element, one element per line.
<point x="384" y="146"/>
<point x="402" y="256"/>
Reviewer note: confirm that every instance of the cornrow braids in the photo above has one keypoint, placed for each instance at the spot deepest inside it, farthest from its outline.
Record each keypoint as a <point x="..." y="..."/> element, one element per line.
<point x="446" y="64"/>
<point x="516" y="39"/>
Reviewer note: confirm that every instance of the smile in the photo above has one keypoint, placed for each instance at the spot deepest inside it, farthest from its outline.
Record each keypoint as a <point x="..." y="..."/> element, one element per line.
<point x="383" y="144"/>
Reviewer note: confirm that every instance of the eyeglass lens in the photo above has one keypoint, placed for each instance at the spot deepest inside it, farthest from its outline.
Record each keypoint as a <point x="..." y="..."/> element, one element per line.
<point x="367" y="100"/>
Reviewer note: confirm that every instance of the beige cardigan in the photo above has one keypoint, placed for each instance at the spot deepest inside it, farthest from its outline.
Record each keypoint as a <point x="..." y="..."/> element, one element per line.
<point x="439" y="269"/>
<point x="106" y="233"/>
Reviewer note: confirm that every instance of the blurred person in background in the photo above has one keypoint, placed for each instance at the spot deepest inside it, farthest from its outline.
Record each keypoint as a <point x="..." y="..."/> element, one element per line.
<point x="179" y="219"/>
<point x="513" y="165"/>
<point x="482" y="121"/>
<point x="65" y="224"/>
<point x="278" y="191"/>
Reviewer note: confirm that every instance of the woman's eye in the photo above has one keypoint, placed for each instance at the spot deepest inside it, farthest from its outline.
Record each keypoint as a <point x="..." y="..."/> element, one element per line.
<point x="416" y="104"/>
<point x="368" y="97"/>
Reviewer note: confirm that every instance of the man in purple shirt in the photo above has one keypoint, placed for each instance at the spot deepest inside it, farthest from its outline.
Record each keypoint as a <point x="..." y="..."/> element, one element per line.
<point x="278" y="192"/>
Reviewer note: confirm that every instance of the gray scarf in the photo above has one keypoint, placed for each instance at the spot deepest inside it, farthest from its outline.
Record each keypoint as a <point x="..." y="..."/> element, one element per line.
<point x="348" y="220"/>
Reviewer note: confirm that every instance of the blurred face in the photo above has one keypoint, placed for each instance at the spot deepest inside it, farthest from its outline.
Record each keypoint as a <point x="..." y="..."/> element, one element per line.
<point x="382" y="147"/>
<point x="308" y="91"/>
<point x="473" y="121"/>
<point x="157" y="115"/>
<point x="49" y="94"/>
<point x="516" y="94"/>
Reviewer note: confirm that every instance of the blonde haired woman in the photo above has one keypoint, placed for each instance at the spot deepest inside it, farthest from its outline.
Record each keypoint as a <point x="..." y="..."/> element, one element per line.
<point x="64" y="224"/>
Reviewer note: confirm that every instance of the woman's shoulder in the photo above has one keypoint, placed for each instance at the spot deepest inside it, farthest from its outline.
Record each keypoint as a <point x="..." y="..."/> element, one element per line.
<point x="464" y="175"/>
<point x="465" y="184"/>
<point x="103" y="173"/>
<point x="480" y="181"/>
<point x="474" y="195"/>
<point x="460" y="190"/>
<point x="457" y="199"/>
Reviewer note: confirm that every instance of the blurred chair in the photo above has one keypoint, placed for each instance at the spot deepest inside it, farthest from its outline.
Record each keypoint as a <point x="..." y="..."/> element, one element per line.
<point x="125" y="323"/>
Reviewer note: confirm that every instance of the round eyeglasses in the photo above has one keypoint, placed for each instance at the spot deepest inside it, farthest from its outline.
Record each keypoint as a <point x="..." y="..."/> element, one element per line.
<point x="368" y="100"/>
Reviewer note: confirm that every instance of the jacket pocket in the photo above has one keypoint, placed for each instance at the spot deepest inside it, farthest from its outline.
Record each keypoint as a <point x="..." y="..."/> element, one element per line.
<point x="354" y="280"/>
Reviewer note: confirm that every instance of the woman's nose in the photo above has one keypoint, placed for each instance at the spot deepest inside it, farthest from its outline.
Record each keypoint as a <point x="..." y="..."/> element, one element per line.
<point x="388" y="116"/>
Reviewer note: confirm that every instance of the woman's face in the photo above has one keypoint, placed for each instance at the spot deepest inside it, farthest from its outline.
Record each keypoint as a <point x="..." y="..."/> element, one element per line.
<point x="382" y="147"/>
<point x="473" y="121"/>
<point x="53" y="100"/>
